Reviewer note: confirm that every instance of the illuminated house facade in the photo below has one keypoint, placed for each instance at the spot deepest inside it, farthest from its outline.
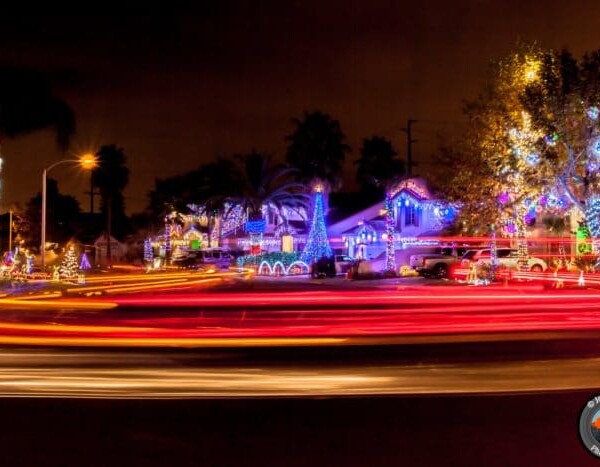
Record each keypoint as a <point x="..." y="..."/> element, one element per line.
<point x="195" y="231"/>
<point x="417" y="214"/>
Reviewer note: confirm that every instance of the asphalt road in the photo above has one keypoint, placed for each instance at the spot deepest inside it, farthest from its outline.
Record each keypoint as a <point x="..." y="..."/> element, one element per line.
<point x="502" y="431"/>
<point x="400" y="375"/>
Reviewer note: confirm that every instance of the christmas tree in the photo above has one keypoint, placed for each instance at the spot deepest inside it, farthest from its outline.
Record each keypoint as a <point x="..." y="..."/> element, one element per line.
<point x="68" y="268"/>
<point x="317" y="245"/>
<point x="84" y="262"/>
<point x="148" y="253"/>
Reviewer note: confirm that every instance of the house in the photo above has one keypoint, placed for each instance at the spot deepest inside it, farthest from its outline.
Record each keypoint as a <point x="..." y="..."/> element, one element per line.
<point x="417" y="213"/>
<point x="118" y="250"/>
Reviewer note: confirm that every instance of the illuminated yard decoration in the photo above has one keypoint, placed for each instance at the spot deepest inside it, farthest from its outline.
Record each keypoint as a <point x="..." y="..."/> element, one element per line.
<point x="148" y="252"/>
<point x="68" y="268"/>
<point x="84" y="263"/>
<point x="255" y="228"/>
<point x="277" y="263"/>
<point x="317" y="244"/>
<point x="390" y="253"/>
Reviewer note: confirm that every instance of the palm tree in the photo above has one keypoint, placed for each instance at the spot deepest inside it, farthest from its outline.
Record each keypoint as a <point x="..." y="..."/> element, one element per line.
<point x="378" y="167"/>
<point x="27" y="104"/>
<point x="265" y="184"/>
<point x="111" y="177"/>
<point x="317" y="149"/>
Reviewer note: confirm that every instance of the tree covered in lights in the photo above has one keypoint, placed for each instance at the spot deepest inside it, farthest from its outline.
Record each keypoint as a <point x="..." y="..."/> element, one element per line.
<point x="533" y="141"/>
<point x="68" y="267"/>
<point x="379" y="168"/>
<point x="317" y="244"/>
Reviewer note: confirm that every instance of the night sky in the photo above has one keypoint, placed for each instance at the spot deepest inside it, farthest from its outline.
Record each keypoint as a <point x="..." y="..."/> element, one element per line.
<point x="174" y="91"/>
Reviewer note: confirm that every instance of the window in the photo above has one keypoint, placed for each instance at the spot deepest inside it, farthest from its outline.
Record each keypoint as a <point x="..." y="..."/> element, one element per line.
<point x="411" y="215"/>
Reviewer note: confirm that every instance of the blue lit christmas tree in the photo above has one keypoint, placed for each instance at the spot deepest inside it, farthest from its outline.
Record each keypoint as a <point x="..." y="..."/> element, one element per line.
<point x="84" y="263"/>
<point x="318" y="243"/>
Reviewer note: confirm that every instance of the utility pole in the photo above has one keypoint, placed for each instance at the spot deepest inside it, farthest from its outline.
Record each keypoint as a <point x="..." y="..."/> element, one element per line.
<point x="92" y="193"/>
<point x="409" y="143"/>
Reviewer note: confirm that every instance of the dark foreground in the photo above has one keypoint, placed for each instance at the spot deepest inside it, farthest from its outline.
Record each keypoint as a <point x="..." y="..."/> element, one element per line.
<point x="509" y="430"/>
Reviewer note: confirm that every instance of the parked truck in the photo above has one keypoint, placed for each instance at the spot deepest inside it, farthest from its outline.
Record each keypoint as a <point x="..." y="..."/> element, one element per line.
<point x="437" y="262"/>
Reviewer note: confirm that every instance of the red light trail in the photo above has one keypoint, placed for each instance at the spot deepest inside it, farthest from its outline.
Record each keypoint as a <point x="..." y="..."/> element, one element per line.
<point x="297" y="318"/>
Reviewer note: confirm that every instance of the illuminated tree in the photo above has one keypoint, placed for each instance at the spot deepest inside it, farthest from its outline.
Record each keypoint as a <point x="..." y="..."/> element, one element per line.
<point x="533" y="140"/>
<point x="68" y="268"/>
<point x="317" y="244"/>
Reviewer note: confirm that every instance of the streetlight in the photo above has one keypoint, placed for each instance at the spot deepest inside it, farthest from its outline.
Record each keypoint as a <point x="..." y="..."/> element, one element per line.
<point x="86" y="162"/>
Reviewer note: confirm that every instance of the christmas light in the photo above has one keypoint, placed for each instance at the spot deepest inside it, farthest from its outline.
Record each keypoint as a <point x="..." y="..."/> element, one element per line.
<point x="68" y="268"/>
<point x="148" y="252"/>
<point x="592" y="215"/>
<point x="317" y="244"/>
<point x="390" y="253"/>
<point x="84" y="263"/>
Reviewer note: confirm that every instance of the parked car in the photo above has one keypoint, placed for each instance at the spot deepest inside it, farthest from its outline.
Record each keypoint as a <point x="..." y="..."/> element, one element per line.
<point x="216" y="257"/>
<point x="506" y="257"/>
<point x="438" y="263"/>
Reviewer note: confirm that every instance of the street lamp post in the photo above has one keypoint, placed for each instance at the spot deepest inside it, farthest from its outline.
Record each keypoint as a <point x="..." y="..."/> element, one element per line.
<point x="86" y="162"/>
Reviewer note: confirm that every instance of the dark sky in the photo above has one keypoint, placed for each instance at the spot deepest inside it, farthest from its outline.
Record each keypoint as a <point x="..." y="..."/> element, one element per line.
<point x="174" y="91"/>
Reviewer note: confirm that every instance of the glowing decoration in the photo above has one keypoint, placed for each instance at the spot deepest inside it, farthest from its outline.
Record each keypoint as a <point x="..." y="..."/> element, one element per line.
<point x="592" y="215"/>
<point x="493" y="252"/>
<point x="510" y="228"/>
<point x="68" y="268"/>
<point x="234" y="220"/>
<point x="415" y="187"/>
<point x="256" y="226"/>
<point x="167" y="238"/>
<point x="503" y="198"/>
<point x="581" y="280"/>
<point x="593" y="112"/>
<point x="551" y="140"/>
<point x="317" y="244"/>
<point x="533" y="159"/>
<point x="390" y="252"/>
<point x="582" y="241"/>
<point x="594" y="147"/>
<point x="274" y="263"/>
<point x="522" y="252"/>
<point x="84" y="262"/>
<point x="148" y="252"/>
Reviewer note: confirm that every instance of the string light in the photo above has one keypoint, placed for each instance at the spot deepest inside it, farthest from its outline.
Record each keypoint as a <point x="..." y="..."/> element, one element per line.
<point x="317" y="244"/>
